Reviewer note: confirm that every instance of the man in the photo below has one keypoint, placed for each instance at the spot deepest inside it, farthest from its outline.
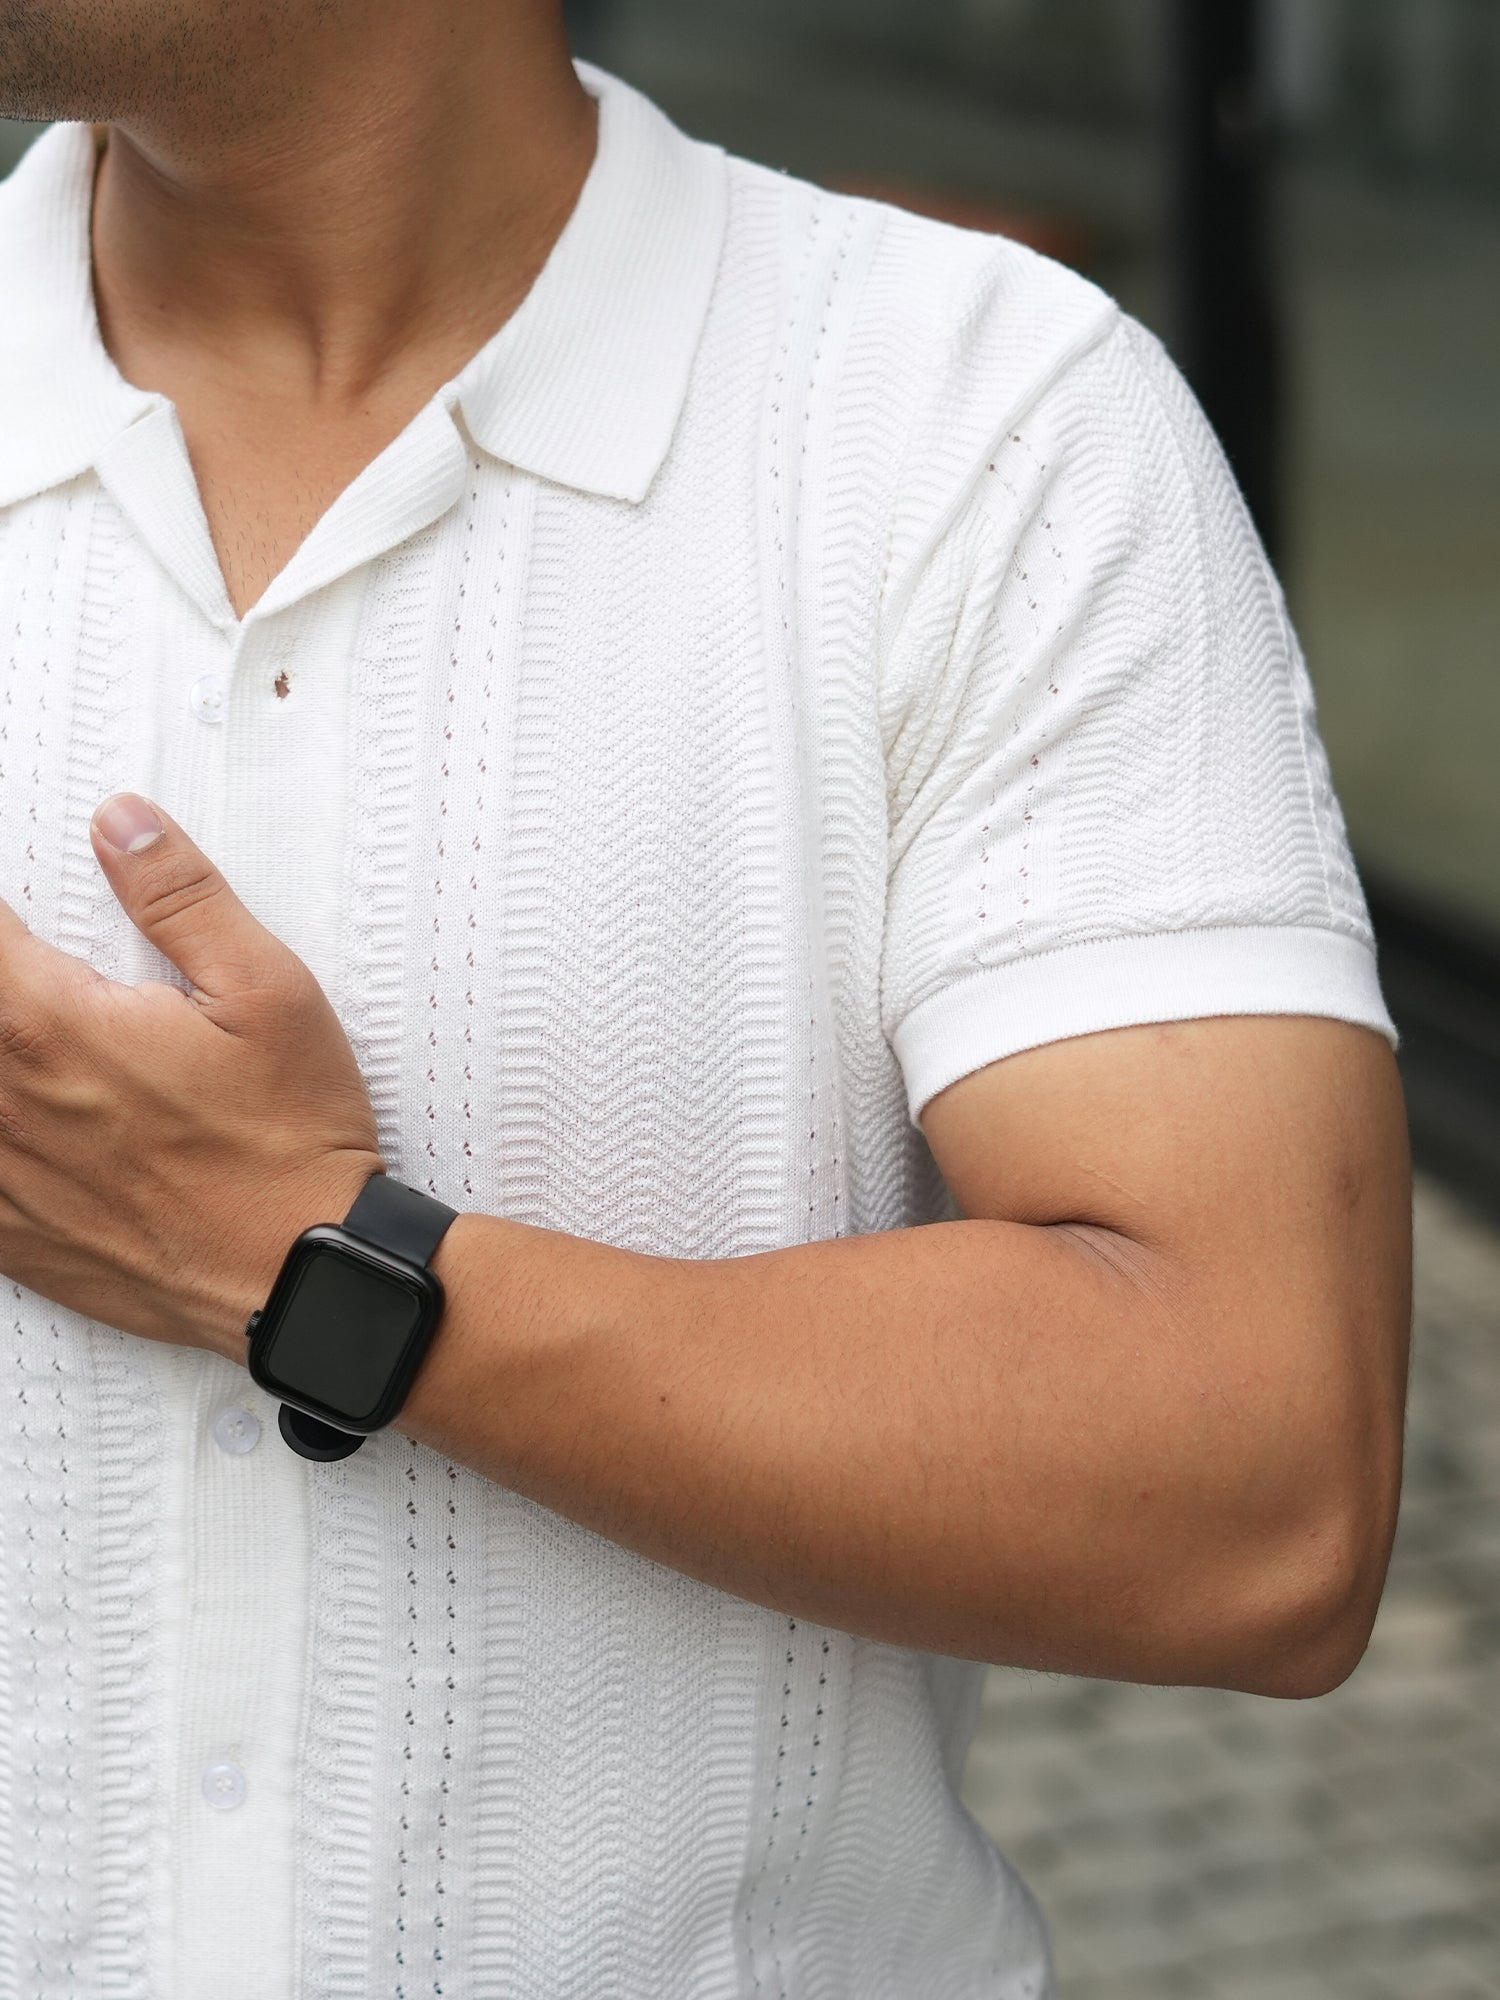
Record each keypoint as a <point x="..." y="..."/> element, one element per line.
<point x="795" y="713"/>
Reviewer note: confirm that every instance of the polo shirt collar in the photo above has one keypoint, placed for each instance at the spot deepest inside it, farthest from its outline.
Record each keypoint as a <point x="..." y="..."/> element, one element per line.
<point x="61" y="397"/>
<point x="583" y="386"/>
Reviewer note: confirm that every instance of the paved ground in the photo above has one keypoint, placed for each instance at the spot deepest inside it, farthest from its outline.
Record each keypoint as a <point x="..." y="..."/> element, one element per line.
<point x="1190" y="1845"/>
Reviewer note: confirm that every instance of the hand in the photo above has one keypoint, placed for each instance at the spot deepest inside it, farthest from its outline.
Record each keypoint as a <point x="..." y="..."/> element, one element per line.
<point x="160" y="1150"/>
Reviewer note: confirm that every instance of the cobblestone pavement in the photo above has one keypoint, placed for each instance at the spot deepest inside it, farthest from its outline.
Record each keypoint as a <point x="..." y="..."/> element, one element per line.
<point x="1194" y="1845"/>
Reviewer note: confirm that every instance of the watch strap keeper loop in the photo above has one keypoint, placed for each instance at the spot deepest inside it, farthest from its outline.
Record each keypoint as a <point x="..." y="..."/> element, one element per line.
<point x="398" y="1218"/>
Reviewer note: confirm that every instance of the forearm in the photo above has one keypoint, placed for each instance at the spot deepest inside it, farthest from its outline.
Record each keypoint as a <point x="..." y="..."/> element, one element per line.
<point x="979" y="1438"/>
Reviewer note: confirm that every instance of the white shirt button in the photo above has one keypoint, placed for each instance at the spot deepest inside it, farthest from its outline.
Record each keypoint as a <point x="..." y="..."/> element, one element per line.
<point x="236" y="1431"/>
<point x="208" y="697"/>
<point x="224" y="1786"/>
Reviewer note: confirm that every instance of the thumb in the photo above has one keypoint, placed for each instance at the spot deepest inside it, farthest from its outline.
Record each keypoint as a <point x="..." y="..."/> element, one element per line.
<point x="179" y="901"/>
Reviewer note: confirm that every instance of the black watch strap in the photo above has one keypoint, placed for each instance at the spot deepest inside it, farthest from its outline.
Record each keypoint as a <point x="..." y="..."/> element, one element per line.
<point x="397" y="1218"/>
<point x="392" y="1217"/>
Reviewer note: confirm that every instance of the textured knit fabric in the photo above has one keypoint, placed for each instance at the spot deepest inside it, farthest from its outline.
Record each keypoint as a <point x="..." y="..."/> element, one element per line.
<point x="810" y="654"/>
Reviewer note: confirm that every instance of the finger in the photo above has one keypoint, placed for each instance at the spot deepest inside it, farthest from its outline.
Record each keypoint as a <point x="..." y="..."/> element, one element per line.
<point x="177" y="899"/>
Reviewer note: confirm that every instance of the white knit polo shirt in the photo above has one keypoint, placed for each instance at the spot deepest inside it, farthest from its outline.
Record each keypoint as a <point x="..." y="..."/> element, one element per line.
<point x="810" y="653"/>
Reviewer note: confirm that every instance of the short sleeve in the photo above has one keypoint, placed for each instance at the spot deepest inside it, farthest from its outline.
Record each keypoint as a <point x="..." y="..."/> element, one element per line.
<point x="1109" y="803"/>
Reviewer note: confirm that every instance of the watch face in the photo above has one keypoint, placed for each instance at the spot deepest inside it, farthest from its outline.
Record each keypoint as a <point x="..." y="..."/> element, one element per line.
<point x="341" y="1330"/>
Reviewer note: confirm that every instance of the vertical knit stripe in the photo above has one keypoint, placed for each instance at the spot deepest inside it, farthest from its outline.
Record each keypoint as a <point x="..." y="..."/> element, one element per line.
<point x="53" y="1341"/>
<point x="857" y="431"/>
<point x="486" y="673"/>
<point x="386" y="706"/>
<point x="807" y="1720"/>
<point x="803" y="1711"/>
<point x="813" y="1134"/>
<point x="350" y="1841"/>
<point x="52" y="1689"/>
<point x="77" y="1421"/>
<point x="132" y="1836"/>
<point x="100" y="695"/>
<point x="134" y="1885"/>
<point x="418" y="1948"/>
<point x="346" y="1706"/>
<point x="445" y="1069"/>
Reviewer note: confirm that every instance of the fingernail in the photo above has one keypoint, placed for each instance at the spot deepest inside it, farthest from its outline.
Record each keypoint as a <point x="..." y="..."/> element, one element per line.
<point x="128" y="823"/>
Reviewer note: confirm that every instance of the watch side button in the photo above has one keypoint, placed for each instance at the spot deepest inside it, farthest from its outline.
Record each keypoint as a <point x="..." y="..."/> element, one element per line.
<point x="251" y="1325"/>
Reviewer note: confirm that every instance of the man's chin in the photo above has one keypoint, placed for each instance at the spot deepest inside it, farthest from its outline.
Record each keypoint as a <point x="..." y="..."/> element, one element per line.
<point x="39" y="99"/>
<point x="78" y="59"/>
<point x="47" y="110"/>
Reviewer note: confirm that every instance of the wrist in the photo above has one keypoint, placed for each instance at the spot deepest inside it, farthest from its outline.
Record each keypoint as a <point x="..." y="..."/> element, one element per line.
<point x="455" y="1264"/>
<point x="538" y="1323"/>
<point x="322" y="1193"/>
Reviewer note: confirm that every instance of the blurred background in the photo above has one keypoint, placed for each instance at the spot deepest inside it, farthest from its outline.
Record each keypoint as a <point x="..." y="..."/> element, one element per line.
<point x="1303" y="198"/>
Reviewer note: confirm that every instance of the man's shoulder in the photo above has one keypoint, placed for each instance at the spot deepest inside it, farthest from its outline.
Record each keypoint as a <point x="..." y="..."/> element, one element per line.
<point x="44" y="231"/>
<point x="906" y="347"/>
<point x="19" y="193"/>
<point x="979" y="319"/>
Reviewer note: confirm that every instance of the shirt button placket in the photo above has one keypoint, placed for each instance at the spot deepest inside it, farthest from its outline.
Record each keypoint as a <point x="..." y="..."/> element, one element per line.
<point x="238" y="1727"/>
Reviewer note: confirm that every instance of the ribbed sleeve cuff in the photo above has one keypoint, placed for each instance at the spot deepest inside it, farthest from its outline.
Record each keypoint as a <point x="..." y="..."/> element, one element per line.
<point x="1128" y="982"/>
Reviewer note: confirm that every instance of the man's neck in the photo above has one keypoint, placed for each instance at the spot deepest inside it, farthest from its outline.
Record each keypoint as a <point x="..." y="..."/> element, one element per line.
<point x="401" y="203"/>
<point x="302" y="285"/>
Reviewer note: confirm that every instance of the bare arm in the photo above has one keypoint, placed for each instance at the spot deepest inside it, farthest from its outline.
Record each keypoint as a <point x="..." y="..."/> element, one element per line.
<point x="1138" y="1416"/>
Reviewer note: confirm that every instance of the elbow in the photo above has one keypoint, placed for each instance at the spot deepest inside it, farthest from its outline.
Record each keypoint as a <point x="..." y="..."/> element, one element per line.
<point x="1310" y="1575"/>
<point x="1305" y="1616"/>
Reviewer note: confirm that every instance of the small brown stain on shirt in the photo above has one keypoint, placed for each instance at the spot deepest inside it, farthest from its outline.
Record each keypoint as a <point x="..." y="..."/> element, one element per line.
<point x="282" y="685"/>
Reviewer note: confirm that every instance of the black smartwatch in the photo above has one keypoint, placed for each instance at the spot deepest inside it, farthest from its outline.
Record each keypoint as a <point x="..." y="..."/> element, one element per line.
<point x="350" y="1318"/>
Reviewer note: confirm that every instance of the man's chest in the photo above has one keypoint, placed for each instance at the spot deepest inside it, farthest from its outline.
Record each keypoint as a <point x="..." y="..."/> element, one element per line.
<point x="544" y="822"/>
